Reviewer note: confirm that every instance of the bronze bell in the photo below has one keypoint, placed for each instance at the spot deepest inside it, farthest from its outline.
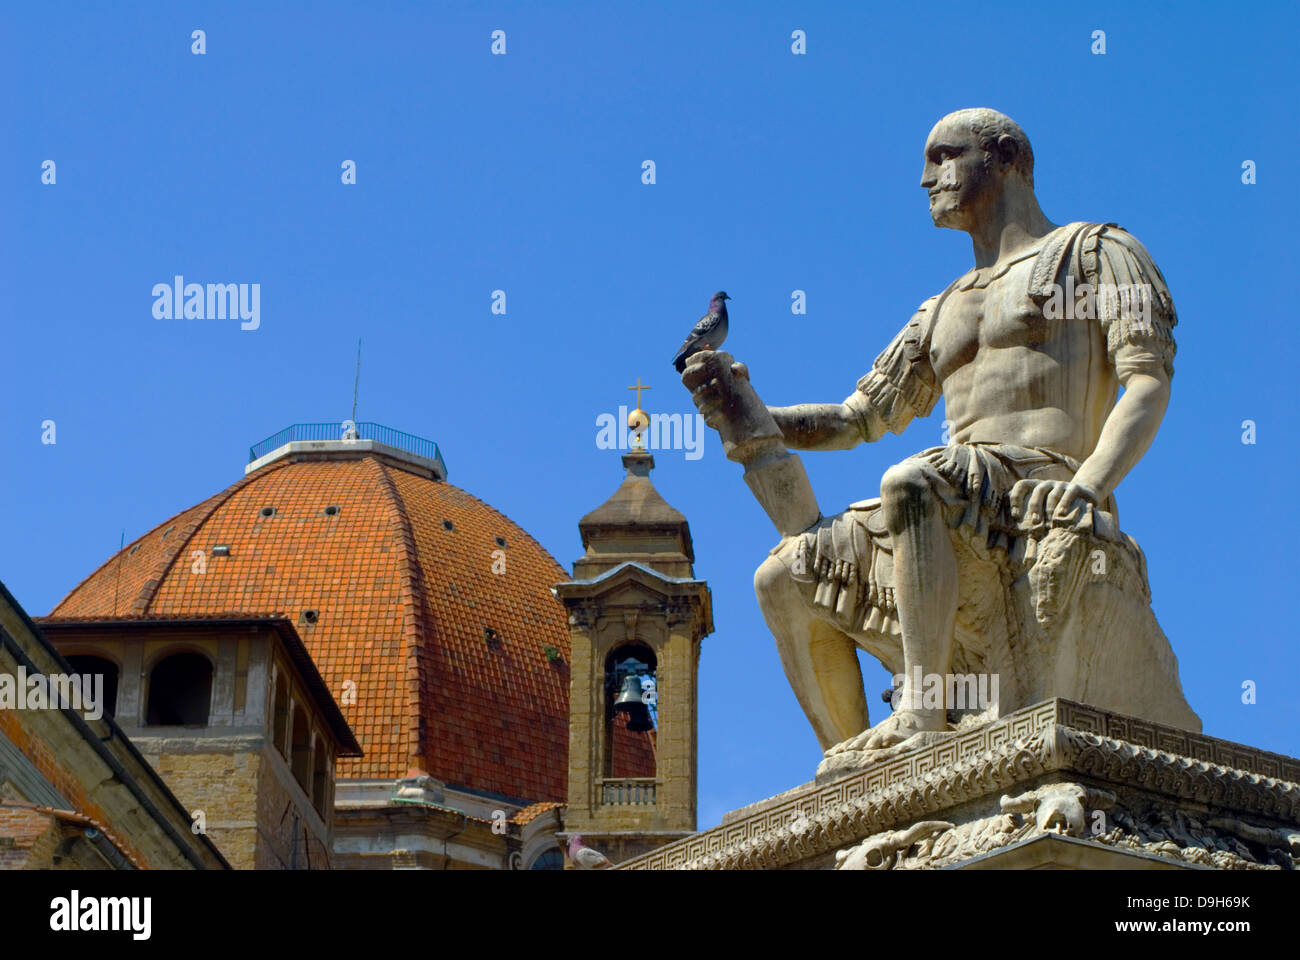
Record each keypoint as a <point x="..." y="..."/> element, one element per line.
<point x="629" y="701"/>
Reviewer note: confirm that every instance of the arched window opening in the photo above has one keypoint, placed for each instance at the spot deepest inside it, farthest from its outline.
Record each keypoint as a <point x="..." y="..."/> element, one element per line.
<point x="90" y="668"/>
<point x="320" y="779"/>
<point x="300" y="759"/>
<point x="280" y="715"/>
<point x="180" y="691"/>
<point x="631" y="712"/>
<point x="552" y="859"/>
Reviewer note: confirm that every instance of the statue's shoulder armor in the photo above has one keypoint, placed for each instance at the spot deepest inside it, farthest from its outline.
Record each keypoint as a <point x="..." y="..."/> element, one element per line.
<point x="1098" y="253"/>
<point x="1133" y="303"/>
<point x="1058" y="250"/>
<point x="1110" y="254"/>
<point x="916" y="335"/>
<point x="901" y="384"/>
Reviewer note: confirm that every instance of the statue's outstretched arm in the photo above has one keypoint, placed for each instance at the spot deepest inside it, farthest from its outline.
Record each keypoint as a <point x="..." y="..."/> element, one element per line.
<point x="750" y="436"/>
<point x="818" y="426"/>
<point x="899" y="387"/>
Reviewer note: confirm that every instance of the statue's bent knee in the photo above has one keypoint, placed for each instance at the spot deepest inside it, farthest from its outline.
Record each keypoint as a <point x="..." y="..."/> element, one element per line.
<point x="772" y="582"/>
<point x="903" y="488"/>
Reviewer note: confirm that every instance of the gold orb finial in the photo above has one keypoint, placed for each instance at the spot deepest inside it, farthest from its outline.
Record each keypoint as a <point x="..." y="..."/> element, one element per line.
<point x="638" y="420"/>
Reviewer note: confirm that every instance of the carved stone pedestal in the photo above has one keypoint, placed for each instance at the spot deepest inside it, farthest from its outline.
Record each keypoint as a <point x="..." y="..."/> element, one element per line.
<point x="1051" y="852"/>
<point x="1058" y="784"/>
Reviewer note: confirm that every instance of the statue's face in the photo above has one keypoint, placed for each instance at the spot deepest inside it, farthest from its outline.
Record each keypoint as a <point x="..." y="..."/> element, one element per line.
<point x="961" y="181"/>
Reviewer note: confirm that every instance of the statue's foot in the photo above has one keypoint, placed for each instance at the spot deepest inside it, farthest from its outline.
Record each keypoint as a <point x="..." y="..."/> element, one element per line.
<point x="897" y="728"/>
<point x="892" y="737"/>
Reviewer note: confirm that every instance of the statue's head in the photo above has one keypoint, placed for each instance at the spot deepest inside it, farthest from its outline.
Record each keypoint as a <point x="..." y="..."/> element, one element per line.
<point x="972" y="158"/>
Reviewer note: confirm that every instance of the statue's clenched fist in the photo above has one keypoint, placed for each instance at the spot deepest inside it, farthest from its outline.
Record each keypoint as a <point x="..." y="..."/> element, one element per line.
<point x="722" y="393"/>
<point x="724" y="396"/>
<point x="710" y="376"/>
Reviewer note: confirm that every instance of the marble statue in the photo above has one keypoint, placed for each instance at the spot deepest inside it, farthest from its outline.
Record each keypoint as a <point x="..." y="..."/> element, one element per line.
<point x="1000" y="552"/>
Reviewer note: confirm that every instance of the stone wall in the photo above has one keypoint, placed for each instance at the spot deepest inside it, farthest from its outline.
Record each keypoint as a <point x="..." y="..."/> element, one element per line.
<point x="253" y="808"/>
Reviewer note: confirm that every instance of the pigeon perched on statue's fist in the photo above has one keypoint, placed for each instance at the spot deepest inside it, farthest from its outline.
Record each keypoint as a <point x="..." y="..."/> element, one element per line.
<point x="708" y="334"/>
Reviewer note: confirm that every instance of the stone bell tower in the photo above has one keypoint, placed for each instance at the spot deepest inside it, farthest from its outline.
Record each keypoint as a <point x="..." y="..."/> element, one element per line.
<point x="636" y="618"/>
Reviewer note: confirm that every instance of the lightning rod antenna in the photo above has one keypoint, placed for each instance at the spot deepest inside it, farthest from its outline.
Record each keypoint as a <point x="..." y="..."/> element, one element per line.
<point x="356" y="384"/>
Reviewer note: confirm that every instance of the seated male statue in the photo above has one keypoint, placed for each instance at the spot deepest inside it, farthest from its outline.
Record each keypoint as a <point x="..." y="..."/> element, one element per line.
<point x="1029" y="350"/>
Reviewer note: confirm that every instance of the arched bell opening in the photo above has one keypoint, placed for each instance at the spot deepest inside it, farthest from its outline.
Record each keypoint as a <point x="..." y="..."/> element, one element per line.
<point x="180" y="691"/>
<point x="631" y="711"/>
<point x="89" y="667"/>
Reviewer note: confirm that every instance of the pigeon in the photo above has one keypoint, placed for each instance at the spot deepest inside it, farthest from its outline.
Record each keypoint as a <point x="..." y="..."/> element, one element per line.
<point x="708" y="333"/>
<point x="585" y="858"/>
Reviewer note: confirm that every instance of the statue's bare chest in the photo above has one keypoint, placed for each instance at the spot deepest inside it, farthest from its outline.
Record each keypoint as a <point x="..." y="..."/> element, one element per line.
<point x="986" y="312"/>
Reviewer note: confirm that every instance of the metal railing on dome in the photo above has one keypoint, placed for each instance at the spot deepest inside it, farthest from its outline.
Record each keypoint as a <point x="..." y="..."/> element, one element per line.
<point x="363" y="430"/>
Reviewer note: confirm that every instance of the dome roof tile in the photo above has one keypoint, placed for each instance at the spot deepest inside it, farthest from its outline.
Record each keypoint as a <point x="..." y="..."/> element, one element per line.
<point x="403" y="607"/>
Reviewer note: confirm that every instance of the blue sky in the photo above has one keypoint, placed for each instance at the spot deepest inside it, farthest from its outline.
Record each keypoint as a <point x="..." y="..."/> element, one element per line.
<point x="522" y="172"/>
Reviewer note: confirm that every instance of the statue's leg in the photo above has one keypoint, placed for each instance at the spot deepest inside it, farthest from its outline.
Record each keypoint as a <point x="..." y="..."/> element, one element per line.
<point x="820" y="661"/>
<point x="925" y="590"/>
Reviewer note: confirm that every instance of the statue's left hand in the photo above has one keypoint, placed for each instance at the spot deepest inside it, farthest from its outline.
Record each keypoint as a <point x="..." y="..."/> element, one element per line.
<point x="1039" y="500"/>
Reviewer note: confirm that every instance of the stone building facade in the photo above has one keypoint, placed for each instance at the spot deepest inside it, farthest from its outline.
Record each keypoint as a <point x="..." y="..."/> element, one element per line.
<point x="341" y="661"/>
<point x="634" y="595"/>
<point x="75" y="793"/>
<point x="233" y="715"/>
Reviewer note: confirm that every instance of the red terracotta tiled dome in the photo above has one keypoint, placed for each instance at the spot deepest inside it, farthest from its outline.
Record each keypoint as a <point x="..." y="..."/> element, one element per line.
<point x="460" y="671"/>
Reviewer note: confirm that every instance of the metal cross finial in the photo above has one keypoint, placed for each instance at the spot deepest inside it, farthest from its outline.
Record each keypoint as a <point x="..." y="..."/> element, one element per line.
<point x="638" y="388"/>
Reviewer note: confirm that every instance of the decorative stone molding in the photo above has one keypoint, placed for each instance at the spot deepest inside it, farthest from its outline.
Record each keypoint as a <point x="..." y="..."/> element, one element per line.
<point x="1074" y="810"/>
<point x="419" y="789"/>
<point x="1155" y="774"/>
<point x="881" y="851"/>
<point x="583" y="615"/>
